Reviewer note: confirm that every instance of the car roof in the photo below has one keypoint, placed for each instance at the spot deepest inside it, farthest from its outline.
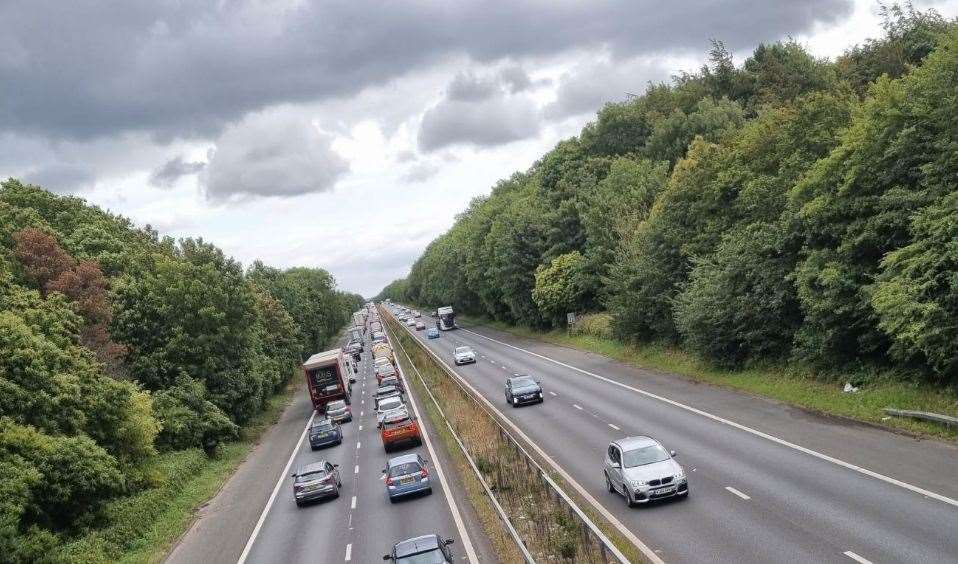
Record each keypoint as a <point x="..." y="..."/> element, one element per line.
<point x="416" y="545"/>
<point x="629" y="443"/>
<point x="519" y="377"/>
<point x="404" y="459"/>
<point x="318" y="466"/>
<point x="323" y="421"/>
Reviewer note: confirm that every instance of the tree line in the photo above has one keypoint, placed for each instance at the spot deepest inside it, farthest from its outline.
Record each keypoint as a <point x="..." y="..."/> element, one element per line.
<point x="117" y="344"/>
<point x="789" y="208"/>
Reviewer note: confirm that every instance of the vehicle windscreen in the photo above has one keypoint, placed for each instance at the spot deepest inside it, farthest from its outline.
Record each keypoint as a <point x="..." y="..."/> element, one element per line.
<point x="431" y="557"/>
<point x="403" y="469"/>
<point x="390" y="403"/>
<point x="460" y="350"/>
<point x="386" y="390"/>
<point x="644" y="455"/>
<point x="524" y="382"/>
<point x="325" y="377"/>
<point x="310" y="476"/>
<point x="324" y="426"/>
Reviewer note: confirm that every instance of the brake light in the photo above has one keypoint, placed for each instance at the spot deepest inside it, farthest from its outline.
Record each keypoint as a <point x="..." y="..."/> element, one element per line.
<point x="390" y="481"/>
<point x="423" y="473"/>
<point x="330" y="479"/>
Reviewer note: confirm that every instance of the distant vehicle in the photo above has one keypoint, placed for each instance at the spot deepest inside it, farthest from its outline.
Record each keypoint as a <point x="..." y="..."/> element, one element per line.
<point x="327" y="378"/>
<point x="324" y="433"/>
<point x="416" y="314"/>
<point x="384" y="370"/>
<point x="523" y="389"/>
<point x="376" y="325"/>
<point x="338" y="411"/>
<point x="359" y="318"/>
<point x="384" y="392"/>
<point x="410" y="322"/>
<point x="446" y="318"/>
<point x="420" y="326"/>
<point x="642" y="470"/>
<point x="392" y="381"/>
<point x="428" y="549"/>
<point x="383" y="350"/>
<point x="319" y="480"/>
<point x="432" y="333"/>
<point x="399" y="428"/>
<point x="464" y="355"/>
<point x="379" y="337"/>
<point x="433" y="314"/>
<point x="356" y="333"/>
<point x="406" y="475"/>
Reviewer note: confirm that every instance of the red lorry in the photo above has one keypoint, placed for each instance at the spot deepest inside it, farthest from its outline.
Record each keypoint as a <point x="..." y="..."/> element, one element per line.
<point x="327" y="378"/>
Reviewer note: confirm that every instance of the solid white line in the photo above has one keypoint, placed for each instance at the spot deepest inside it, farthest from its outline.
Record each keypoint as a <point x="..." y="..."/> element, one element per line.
<point x="453" y="507"/>
<point x="856" y="557"/>
<point x="353" y="504"/>
<point x="738" y="493"/>
<point x="577" y="406"/>
<point x="756" y="432"/>
<point x="614" y="427"/>
<point x="649" y="554"/>
<point x="349" y="551"/>
<point x="272" y="497"/>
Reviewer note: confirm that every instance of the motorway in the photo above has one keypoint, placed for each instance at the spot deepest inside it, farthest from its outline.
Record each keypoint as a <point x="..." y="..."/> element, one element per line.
<point x="768" y="482"/>
<point x="359" y="526"/>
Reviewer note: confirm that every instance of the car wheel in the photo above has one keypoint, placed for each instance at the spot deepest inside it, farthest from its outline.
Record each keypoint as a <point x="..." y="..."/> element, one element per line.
<point x="312" y="448"/>
<point x="392" y="499"/>
<point x="299" y="503"/>
<point x="628" y="497"/>
<point x="608" y="484"/>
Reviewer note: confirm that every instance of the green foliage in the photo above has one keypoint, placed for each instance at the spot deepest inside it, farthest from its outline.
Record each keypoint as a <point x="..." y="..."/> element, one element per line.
<point x="188" y="419"/>
<point x="790" y="207"/>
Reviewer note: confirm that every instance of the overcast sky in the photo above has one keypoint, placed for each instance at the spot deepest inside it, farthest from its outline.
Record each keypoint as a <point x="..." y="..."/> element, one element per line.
<point x="341" y="134"/>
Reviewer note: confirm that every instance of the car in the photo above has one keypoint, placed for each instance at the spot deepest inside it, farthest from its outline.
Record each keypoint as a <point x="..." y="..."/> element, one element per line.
<point x="399" y="426"/>
<point x="324" y="433"/>
<point x="383" y="392"/>
<point x="523" y="389"/>
<point x="420" y="326"/>
<point x="410" y="322"/>
<point x="387" y="405"/>
<point x="392" y="380"/>
<point x="427" y="549"/>
<point x="318" y="480"/>
<point x="379" y="337"/>
<point x="406" y="475"/>
<point x="642" y="470"/>
<point x="338" y="411"/>
<point x="384" y="370"/>
<point x="464" y="355"/>
<point x="432" y="333"/>
<point x="417" y="314"/>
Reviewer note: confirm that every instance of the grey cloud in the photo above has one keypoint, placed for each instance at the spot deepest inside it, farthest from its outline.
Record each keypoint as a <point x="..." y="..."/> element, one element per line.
<point x="467" y="87"/>
<point x="62" y="177"/>
<point x="516" y="79"/>
<point x="590" y="85"/>
<point x="486" y="123"/>
<point x="89" y="68"/>
<point x="421" y="172"/>
<point x="270" y="154"/>
<point x="174" y="169"/>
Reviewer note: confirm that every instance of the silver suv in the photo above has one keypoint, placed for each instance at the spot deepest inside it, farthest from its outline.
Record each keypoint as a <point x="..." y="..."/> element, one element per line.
<point x="642" y="470"/>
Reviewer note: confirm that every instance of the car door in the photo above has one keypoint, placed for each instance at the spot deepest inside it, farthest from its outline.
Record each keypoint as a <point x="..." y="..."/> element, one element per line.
<point x="615" y="468"/>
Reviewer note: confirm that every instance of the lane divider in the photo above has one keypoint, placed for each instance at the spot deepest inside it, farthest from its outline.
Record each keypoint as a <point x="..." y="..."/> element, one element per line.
<point x="739" y="426"/>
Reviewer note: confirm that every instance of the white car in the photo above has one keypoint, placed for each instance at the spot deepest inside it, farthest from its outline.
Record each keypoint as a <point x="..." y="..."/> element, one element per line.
<point x="411" y="322"/>
<point x="386" y="406"/>
<point x="464" y="355"/>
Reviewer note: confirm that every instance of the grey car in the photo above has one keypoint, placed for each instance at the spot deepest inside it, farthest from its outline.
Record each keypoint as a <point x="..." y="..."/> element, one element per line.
<point x="642" y="470"/>
<point x="523" y="389"/>
<point x="318" y="480"/>
<point x="427" y="549"/>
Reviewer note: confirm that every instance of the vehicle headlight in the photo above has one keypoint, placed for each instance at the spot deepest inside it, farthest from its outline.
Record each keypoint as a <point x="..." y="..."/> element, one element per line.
<point x="680" y="475"/>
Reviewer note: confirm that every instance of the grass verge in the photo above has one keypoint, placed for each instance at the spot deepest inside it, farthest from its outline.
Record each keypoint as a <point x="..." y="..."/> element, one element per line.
<point x="144" y="527"/>
<point x="792" y="385"/>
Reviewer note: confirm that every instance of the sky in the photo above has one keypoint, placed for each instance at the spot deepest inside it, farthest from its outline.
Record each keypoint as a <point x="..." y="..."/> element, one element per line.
<point x="342" y="134"/>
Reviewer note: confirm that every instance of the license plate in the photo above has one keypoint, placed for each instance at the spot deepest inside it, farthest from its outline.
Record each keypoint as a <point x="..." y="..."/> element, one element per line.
<point x="407" y="480"/>
<point x="665" y="491"/>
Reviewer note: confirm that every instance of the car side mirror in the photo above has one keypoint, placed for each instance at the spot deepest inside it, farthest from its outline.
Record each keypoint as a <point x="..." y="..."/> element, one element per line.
<point x="673" y="453"/>
<point x="335" y="465"/>
<point x="352" y="379"/>
<point x="386" y="557"/>
<point x="293" y="475"/>
<point x="447" y="542"/>
<point x="538" y="381"/>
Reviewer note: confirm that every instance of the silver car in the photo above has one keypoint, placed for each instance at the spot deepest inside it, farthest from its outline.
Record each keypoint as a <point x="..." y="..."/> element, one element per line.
<point x="642" y="470"/>
<point x="464" y="355"/>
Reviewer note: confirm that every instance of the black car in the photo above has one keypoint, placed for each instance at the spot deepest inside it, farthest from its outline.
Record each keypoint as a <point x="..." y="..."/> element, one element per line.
<point x="427" y="549"/>
<point x="324" y="433"/>
<point x="523" y="389"/>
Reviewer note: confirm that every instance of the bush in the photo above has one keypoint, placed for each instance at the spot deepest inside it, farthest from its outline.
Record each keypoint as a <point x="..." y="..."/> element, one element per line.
<point x="595" y="325"/>
<point x="188" y="419"/>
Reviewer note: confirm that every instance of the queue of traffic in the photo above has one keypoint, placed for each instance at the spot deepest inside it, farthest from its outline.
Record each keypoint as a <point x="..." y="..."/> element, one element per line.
<point x="330" y="376"/>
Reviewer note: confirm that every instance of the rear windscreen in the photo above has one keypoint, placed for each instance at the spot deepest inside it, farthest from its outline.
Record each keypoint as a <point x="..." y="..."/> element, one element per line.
<point x="403" y="469"/>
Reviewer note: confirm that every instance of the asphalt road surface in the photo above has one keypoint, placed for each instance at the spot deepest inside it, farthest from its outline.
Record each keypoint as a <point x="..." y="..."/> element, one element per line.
<point x="768" y="482"/>
<point x="360" y="526"/>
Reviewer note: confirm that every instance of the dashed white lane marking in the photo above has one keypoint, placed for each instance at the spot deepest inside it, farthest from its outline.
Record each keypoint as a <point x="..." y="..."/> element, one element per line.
<point x="739" y="426"/>
<point x="553" y="393"/>
<point x="349" y="552"/>
<point x="738" y="493"/>
<point x="614" y="427"/>
<point x="360" y="427"/>
<point x="577" y="406"/>
<point x="353" y="504"/>
<point x="361" y="412"/>
<point x="356" y="471"/>
<point x="358" y="444"/>
<point x="856" y="557"/>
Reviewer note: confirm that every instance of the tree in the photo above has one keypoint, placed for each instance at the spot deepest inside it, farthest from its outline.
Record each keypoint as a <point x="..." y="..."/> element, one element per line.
<point x="558" y="286"/>
<point x="42" y="257"/>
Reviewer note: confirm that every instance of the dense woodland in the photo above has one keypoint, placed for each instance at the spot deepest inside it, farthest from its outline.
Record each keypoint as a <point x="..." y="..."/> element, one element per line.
<point x="117" y="345"/>
<point x="786" y="209"/>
